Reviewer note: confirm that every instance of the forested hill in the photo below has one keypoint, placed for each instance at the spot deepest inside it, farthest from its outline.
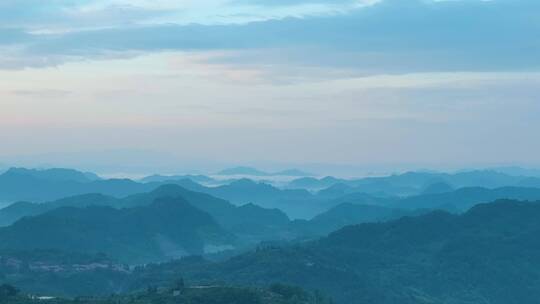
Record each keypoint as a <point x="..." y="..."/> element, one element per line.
<point x="491" y="254"/>
<point x="167" y="228"/>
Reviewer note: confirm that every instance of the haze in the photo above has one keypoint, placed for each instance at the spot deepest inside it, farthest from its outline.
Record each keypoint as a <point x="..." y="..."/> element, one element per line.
<point x="103" y="84"/>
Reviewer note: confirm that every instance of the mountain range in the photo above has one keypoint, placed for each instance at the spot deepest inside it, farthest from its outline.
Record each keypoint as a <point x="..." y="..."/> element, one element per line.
<point x="248" y="171"/>
<point x="490" y="254"/>
<point x="412" y="183"/>
<point x="246" y="225"/>
<point x="201" y="179"/>
<point x="298" y="199"/>
<point x="167" y="228"/>
<point x="156" y="221"/>
<point x="251" y="223"/>
<point x="51" y="184"/>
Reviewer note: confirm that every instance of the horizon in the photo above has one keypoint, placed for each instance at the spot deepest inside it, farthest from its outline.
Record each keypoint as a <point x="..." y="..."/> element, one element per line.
<point x="144" y="163"/>
<point x="274" y="176"/>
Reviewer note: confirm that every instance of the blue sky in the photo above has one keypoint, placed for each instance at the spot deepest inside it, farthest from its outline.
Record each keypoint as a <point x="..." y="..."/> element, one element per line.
<point x="421" y="82"/>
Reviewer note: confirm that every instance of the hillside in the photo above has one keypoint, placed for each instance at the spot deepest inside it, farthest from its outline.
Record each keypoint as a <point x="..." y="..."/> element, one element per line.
<point x="168" y="228"/>
<point x="14" y="185"/>
<point x="465" y="198"/>
<point x="296" y="203"/>
<point x="55" y="184"/>
<point x="55" y="174"/>
<point x="16" y="211"/>
<point x="253" y="224"/>
<point x="349" y="214"/>
<point x="248" y="171"/>
<point x="157" y="178"/>
<point x="490" y="254"/>
<point x="180" y="294"/>
<point x="415" y="183"/>
<point x="458" y="200"/>
<point x="250" y="222"/>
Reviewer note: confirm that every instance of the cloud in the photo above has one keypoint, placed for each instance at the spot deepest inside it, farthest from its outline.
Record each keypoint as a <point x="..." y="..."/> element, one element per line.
<point x="42" y="94"/>
<point x="13" y="36"/>
<point x="75" y="15"/>
<point x="64" y="16"/>
<point x="393" y="36"/>
<point x="306" y="2"/>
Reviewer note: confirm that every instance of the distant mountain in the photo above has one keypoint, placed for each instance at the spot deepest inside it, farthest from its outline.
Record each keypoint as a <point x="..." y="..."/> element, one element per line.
<point x="532" y="182"/>
<point x="14" y="186"/>
<point x="301" y="204"/>
<point x="50" y="185"/>
<point x="336" y="190"/>
<point x="356" y="208"/>
<point x="16" y="211"/>
<point x="313" y="183"/>
<point x="359" y="198"/>
<point x="419" y="180"/>
<point x="295" y="199"/>
<point x="251" y="223"/>
<point x="488" y="255"/>
<point x="242" y="171"/>
<point x="246" y="191"/>
<point x="406" y="184"/>
<point x="465" y="198"/>
<point x="455" y="201"/>
<point x="518" y="171"/>
<point x="294" y="202"/>
<point x="202" y="179"/>
<point x="375" y="186"/>
<point x="168" y="228"/>
<point x="57" y="174"/>
<point x="292" y="172"/>
<point x="437" y="188"/>
<point x="349" y="214"/>
<point x="414" y="183"/>
<point x="248" y="171"/>
<point x="297" y="203"/>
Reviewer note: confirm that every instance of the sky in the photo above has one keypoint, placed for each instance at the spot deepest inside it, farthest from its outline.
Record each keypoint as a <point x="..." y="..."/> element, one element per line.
<point x="163" y="85"/>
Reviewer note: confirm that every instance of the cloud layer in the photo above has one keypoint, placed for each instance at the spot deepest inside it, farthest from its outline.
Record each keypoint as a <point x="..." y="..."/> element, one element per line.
<point x="419" y="81"/>
<point x="393" y="36"/>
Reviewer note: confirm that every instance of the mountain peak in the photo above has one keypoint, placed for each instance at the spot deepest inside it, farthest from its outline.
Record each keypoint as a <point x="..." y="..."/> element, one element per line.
<point x="54" y="174"/>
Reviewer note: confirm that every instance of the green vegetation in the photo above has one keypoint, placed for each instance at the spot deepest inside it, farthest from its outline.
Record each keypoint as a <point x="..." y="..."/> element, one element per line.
<point x="277" y="294"/>
<point x="168" y="228"/>
<point x="491" y="254"/>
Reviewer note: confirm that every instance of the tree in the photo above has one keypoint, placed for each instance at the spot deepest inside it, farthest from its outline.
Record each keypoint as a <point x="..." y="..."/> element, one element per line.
<point x="151" y="290"/>
<point x="289" y="292"/>
<point x="8" y="291"/>
<point x="179" y="284"/>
